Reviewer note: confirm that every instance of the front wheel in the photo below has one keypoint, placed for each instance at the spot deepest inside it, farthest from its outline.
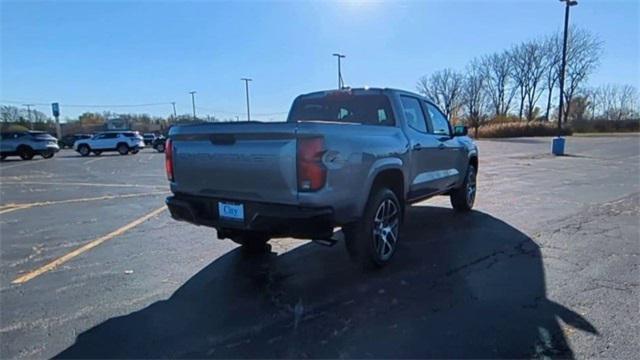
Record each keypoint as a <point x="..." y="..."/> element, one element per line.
<point x="84" y="150"/>
<point x="48" y="154"/>
<point x="463" y="198"/>
<point x="26" y="153"/>
<point x="160" y="148"/>
<point x="123" y="149"/>
<point x="372" y="241"/>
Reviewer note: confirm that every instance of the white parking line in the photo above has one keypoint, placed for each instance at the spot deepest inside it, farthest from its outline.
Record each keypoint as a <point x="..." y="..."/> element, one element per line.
<point x="22" y="163"/>
<point x="93" y="160"/>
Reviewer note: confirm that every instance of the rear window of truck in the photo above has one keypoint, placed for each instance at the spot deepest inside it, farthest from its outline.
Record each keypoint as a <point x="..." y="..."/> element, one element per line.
<point x="367" y="109"/>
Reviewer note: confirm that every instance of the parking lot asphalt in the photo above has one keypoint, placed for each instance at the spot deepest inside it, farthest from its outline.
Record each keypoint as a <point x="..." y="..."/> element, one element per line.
<point x="546" y="265"/>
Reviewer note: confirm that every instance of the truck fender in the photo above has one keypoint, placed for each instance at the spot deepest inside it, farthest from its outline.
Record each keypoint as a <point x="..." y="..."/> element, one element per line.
<point x="376" y="168"/>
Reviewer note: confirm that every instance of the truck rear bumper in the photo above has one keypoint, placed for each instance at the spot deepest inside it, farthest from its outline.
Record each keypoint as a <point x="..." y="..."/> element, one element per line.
<point x="275" y="219"/>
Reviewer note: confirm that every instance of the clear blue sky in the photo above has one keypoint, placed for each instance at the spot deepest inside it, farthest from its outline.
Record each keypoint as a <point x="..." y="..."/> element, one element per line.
<point x="114" y="52"/>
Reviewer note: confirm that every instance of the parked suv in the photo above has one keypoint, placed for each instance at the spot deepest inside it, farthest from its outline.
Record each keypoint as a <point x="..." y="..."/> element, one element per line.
<point x="124" y="142"/>
<point x="27" y="144"/>
<point x="159" y="143"/>
<point x="349" y="158"/>
<point x="67" y="141"/>
<point x="149" y="138"/>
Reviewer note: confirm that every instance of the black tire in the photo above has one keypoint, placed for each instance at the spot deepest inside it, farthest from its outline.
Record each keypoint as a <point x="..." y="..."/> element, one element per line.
<point x="123" y="149"/>
<point x="463" y="198"/>
<point x="97" y="152"/>
<point x="252" y="242"/>
<point x="135" y="151"/>
<point x="84" y="150"/>
<point x="160" y="148"/>
<point x="2" y="157"/>
<point x="372" y="241"/>
<point x="47" y="154"/>
<point x="25" y="153"/>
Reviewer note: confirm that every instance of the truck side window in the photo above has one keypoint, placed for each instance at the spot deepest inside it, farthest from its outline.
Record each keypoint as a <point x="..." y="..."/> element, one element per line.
<point x="413" y="113"/>
<point x="439" y="122"/>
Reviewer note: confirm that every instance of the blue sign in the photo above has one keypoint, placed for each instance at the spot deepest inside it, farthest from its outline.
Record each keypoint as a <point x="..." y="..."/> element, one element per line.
<point x="55" y="108"/>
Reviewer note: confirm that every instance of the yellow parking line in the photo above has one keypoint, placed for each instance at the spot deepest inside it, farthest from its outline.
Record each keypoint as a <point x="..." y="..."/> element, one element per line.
<point x="79" y="184"/>
<point x="13" y="207"/>
<point x="63" y="259"/>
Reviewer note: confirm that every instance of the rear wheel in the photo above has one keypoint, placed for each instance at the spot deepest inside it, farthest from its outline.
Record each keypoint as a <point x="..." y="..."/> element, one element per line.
<point x="135" y="151"/>
<point x="47" y="154"/>
<point x="84" y="150"/>
<point x="160" y="147"/>
<point x="372" y="241"/>
<point x="123" y="149"/>
<point x="25" y="153"/>
<point x="463" y="198"/>
<point x="2" y="157"/>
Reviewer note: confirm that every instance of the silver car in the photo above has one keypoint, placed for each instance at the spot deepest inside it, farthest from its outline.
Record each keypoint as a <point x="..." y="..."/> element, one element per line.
<point x="27" y="144"/>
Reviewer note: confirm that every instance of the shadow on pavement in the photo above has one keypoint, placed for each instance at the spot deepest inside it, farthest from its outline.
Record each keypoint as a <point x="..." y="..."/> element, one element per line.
<point x="461" y="285"/>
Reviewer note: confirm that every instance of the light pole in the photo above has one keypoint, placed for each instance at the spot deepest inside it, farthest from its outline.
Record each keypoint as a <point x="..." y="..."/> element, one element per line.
<point x="558" y="143"/>
<point x="29" y="112"/>
<point x="563" y="65"/>
<point x="246" y="88"/>
<point x="340" y="81"/>
<point x="173" y="103"/>
<point x="193" y="103"/>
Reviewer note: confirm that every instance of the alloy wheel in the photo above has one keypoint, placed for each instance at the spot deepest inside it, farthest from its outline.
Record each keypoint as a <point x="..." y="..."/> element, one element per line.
<point x="385" y="229"/>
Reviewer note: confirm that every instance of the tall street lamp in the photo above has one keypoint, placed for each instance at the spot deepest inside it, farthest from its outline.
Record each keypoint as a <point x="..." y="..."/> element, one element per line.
<point x="340" y="81"/>
<point x="558" y="143"/>
<point x="193" y="103"/>
<point x="246" y="88"/>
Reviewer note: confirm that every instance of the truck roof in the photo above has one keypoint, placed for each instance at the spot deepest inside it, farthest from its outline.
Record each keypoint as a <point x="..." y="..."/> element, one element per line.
<point x="368" y="89"/>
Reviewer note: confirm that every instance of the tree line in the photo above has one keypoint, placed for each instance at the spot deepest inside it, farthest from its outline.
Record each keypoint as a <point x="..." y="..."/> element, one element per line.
<point x="522" y="83"/>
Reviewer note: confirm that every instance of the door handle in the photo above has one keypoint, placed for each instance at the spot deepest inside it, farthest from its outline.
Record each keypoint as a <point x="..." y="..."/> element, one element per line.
<point x="417" y="146"/>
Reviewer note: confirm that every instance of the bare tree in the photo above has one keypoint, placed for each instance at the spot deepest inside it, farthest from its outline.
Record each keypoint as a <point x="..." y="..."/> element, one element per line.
<point x="617" y="102"/>
<point x="474" y="96"/>
<point x="583" y="57"/>
<point x="10" y="113"/>
<point x="519" y="71"/>
<point x="497" y="74"/>
<point x="444" y="88"/>
<point x="528" y="67"/>
<point x="553" y="59"/>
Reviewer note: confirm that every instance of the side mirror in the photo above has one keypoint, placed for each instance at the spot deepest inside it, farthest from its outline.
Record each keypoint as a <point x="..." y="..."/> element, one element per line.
<point x="460" y="130"/>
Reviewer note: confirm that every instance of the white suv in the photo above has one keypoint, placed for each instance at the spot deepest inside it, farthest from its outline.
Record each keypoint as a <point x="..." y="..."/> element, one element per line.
<point x="123" y="142"/>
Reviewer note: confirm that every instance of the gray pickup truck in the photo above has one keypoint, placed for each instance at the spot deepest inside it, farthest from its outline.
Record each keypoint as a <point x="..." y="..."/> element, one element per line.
<point x="352" y="158"/>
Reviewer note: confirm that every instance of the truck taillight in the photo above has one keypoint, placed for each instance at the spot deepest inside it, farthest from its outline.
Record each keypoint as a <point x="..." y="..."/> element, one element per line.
<point x="168" y="159"/>
<point x="311" y="172"/>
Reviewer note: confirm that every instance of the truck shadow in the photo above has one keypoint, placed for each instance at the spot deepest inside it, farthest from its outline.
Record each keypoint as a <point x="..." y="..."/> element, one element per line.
<point x="461" y="285"/>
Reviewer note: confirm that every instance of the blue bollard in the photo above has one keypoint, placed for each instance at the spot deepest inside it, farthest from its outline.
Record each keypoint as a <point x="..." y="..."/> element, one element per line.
<point x="557" y="146"/>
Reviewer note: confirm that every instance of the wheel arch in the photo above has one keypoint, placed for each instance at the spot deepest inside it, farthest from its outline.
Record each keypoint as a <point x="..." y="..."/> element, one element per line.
<point x="388" y="173"/>
<point x="473" y="160"/>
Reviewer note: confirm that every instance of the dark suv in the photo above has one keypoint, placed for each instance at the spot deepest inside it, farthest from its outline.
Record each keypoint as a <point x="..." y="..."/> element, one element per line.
<point x="67" y="141"/>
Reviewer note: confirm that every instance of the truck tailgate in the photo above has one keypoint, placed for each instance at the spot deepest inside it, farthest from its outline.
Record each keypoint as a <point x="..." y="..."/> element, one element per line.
<point x="236" y="161"/>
